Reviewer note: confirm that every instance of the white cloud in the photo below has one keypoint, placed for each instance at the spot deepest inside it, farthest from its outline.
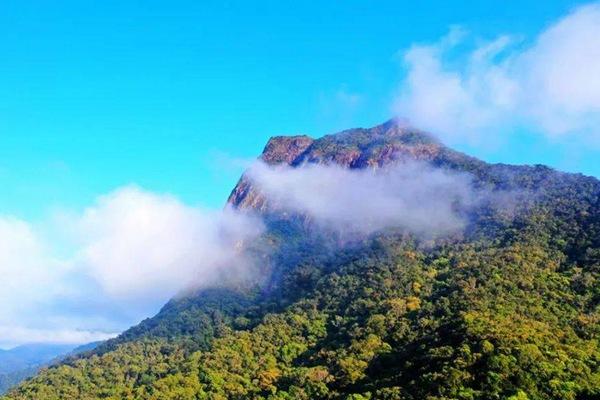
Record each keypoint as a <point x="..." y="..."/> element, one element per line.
<point x="551" y="85"/>
<point x="410" y="195"/>
<point x="120" y="259"/>
<point x="138" y="244"/>
<point x="15" y="335"/>
<point x="26" y="270"/>
<point x="31" y="279"/>
<point x="87" y="274"/>
<point x="560" y="74"/>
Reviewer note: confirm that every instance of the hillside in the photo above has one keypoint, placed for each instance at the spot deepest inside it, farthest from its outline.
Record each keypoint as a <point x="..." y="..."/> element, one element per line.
<point x="507" y="305"/>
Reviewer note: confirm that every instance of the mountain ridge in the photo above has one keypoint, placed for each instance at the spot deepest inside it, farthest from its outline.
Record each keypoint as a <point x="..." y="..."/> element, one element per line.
<point x="359" y="148"/>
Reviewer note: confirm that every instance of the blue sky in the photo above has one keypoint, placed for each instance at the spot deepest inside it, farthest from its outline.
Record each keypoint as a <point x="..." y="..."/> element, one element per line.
<point x="95" y="95"/>
<point x="105" y="105"/>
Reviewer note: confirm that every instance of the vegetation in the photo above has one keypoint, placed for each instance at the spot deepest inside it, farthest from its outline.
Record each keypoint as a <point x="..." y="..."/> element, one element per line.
<point x="509" y="309"/>
<point x="10" y="379"/>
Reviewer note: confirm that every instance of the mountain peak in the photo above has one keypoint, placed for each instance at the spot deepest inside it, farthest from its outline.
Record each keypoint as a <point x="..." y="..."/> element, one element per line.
<point x="357" y="148"/>
<point x="351" y="147"/>
<point x="297" y="149"/>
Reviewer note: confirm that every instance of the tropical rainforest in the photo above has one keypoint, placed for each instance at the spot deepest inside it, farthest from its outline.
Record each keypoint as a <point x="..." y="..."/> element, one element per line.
<point x="508" y="307"/>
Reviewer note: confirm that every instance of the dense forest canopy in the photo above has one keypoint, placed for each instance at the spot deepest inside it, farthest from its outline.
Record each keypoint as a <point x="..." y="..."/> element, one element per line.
<point x="506" y="307"/>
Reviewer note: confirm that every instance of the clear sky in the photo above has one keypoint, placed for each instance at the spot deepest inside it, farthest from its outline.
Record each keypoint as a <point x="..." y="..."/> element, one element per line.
<point x="99" y="95"/>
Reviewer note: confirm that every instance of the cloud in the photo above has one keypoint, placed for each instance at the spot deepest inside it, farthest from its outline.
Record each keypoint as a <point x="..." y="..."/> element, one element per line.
<point x="551" y="85"/>
<point x="25" y="267"/>
<point x="112" y="264"/>
<point x="138" y="244"/>
<point x="16" y="335"/>
<point x="31" y="279"/>
<point x="84" y="276"/>
<point x="410" y="195"/>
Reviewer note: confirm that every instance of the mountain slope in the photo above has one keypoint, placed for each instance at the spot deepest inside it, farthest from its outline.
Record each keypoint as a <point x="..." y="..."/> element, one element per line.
<point x="507" y="308"/>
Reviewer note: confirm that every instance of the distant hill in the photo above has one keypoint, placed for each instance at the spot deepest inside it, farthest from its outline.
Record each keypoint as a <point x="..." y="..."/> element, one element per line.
<point x="24" y="361"/>
<point x="30" y="355"/>
<point x="507" y="307"/>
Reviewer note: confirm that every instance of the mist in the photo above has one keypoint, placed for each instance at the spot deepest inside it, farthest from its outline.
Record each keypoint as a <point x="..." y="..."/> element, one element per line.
<point x="91" y="273"/>
<point x="409" y="195"/>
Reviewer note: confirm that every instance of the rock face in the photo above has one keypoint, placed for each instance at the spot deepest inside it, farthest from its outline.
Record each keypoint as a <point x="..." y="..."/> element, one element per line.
<point x="285" y="149"/>
<point x="373" y="147"/>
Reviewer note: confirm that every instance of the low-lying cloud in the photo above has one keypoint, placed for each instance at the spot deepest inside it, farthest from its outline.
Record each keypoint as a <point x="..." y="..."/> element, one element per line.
<point x="409" y="195"/>
<point x="120" y="259"/>
<point x="551" y="85"/>
<point x="113" y="264"/>
<point x="136" y="244"/>
<point x="12" y="335"/>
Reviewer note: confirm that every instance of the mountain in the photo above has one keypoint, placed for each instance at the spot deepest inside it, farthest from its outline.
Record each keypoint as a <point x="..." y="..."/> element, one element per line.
<point x="24" y="361"/>
<point x="506" y="307"/>
<point x="354" y="149"/>
<point x="30" y="355"/>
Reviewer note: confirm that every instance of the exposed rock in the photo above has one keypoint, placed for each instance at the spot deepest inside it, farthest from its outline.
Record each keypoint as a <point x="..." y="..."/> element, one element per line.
<point x="375" y="147"/>
<point x="285" y="149"/>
